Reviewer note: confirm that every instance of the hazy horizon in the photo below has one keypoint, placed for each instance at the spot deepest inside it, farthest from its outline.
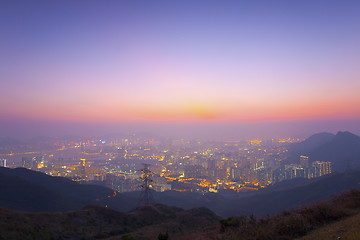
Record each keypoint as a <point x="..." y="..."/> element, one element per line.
<point x="198" y="70"/>
<point x="191" y="131"/>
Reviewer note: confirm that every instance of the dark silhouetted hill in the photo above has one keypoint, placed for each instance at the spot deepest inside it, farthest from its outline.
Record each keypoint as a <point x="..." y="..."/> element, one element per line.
<point x="316" y="221"/>
<point x="27" y="190"/>
<point x="95" y="222"/>
<point x="341" y="210"/>
<point x="7" y="141"/>
<point x="280" y="197"/>
<point x="312" y="142"/>
<point x="343" y="151"/>
<point x="287" y="184"/>
<point x="270" y="203"/>
<point x="23" y="189"/>
<point x="309" y="144"/>
<point x="19" y="194"/>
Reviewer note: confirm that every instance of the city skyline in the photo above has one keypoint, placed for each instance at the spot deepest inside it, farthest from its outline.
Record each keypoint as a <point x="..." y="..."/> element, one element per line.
<point x="179" y="68"/>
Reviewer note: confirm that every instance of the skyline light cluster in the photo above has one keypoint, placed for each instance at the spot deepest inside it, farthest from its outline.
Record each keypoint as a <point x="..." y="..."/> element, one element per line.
<point x="137" y="62"/>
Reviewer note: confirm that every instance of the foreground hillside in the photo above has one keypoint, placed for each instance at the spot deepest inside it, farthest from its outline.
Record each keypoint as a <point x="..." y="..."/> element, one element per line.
<point x="347" y="229"/>
<point x="94" y="222"/>
<point x="339" y="216"/>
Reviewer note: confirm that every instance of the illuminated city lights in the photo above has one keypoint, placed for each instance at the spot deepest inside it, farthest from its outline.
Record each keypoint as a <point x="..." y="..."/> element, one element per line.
<point x="201" y="166"/>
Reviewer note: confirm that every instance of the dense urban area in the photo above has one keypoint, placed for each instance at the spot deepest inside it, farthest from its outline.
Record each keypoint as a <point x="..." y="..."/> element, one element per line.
<point x="175" y="164"/>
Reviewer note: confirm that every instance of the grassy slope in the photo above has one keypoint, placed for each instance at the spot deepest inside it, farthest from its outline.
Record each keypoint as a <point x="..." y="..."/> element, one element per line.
<point x="343" y="210"/>
<point x="347" y="229"/>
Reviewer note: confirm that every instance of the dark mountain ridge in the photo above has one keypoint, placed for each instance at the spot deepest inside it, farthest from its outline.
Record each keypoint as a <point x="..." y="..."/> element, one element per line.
<point x="7" y="141"/>
<point x="35" y="191"/>
<point x="343" y="151"/>
<point x="312" y="142"/>
<point x="288" y="195"/>
<point x="306" y="146"/>
<point x="27" y="190"/>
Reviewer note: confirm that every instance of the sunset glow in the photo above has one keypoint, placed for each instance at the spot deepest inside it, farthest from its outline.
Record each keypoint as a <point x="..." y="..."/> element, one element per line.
<point x="139" y="61"/>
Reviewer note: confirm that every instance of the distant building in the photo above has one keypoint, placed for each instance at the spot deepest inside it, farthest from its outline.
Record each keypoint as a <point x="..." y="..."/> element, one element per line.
<point x="295" y="171"/>
<point x="196" y="171"/>
<point x="211" y="168"/>
<point x="31" y="162"/>
<point x="221" y="173"/>
<point x="236" y="173"/>
<point x="304" y="161"/>
<point x="26" y="162"/>
<point x="161" y="187"/>
<point x="262" y="175"/>
<point x="98" y="177"/>
<point x="82" y="166"/>
<point x="278" y="175"/>
<point x="290" y="171"/>
<point x="120" y="183"/>
<point x="59" y="162"/>
<point x="321" y="168"/>
<point x="2" y="162"/>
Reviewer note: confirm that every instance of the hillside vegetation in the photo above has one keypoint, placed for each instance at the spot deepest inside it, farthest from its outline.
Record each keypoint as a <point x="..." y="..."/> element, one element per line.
<point x="339" y="217"/>
<point x="95" y="222"/>
<point x="347" y="229"/>
<point x="312" y="221"/>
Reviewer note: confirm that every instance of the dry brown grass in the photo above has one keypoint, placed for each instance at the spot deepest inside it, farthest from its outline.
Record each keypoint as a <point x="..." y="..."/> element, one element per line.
<point x="347" y="229"/>
<point x="292" y="224"/>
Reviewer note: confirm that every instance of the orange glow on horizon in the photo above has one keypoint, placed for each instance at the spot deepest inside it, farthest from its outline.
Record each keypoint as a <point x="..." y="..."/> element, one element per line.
<point x="192" y="112"/>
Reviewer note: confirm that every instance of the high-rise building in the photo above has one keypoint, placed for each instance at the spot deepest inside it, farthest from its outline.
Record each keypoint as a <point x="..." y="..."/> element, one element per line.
<point x="321" y="168"/>
<point x="236" y="173"/>
<point x="304" y="160"/>
<point x="292" y="171"/>
<point x="2" y="162"/>
<point x="82" y="165"/>
<point x="35" y="161"/>
<point x="262" y="175"/>
<point x="211" y="168"/>
<point x="30" y="162"/>
<point x="60" y="162"/>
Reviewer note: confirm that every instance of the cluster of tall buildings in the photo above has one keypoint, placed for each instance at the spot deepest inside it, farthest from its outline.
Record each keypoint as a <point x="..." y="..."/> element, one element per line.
<point x="303" y="170"/>
<point x="178" y="165"/>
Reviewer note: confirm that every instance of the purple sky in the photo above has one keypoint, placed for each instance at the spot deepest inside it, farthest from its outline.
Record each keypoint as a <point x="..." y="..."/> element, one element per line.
<point x="204" y="69"/>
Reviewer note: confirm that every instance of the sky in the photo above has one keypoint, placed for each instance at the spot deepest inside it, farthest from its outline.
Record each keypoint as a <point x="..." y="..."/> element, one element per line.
<point x="194" y="68"/>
